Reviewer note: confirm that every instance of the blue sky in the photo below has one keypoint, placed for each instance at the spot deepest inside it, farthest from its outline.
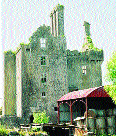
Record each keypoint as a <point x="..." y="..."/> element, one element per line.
<point x="20" y="18"/>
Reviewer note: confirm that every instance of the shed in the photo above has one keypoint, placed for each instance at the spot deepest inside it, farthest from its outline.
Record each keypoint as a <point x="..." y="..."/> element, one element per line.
<point x="74" y="104"/>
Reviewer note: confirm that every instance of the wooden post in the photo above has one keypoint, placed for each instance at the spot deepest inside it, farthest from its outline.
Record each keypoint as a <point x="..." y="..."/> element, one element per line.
<point x="58" y="113"/>
<point x="71" y="118"/>
<point x="86" y="112"/>
<point x="86" y="104"/>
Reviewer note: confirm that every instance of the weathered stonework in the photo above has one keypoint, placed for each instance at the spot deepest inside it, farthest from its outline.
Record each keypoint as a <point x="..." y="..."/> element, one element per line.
<point x="75" y="62"/>
<point x="45" y="70"/>
<point x="18" y="83"/>
<point x="10" y="83"/>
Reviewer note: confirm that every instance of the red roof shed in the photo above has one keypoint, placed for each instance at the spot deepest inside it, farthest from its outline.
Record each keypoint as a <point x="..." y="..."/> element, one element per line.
<point x="91" y="92"/>
<point x="92" y="98"/>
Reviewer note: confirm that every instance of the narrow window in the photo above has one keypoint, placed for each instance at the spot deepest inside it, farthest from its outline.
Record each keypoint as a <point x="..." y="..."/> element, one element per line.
<point x="43" y="42"/>
<point x="84" y="70"/>
<point x="43" y="79"/>
<point x="43" y="60"/>
<point x="55" y="109"/>
<point x="28" y="49"/>
<point x="43" y="94"/>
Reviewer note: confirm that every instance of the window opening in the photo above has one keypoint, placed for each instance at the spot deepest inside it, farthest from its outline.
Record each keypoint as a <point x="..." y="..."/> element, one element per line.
<point x="43" y="94"/>
<point x="43" y="79"/>
<point x="43" y="60"/>
<point x="55" y="109"/>
<point x="84" y="70"/>
<point x="28" y="49"/>
<point x="43" y="42"/>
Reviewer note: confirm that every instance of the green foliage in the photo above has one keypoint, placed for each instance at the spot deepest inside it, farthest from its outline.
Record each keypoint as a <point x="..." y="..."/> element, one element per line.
<point x="35" y="129"/>
<point x="23" y="44"/>
<point x="39" y="133"/>
<point x="17" y="49"/>
<point x="3" y="131"/>
<point x="22" y="133"/>
<point x="42" y="31"/>
<point x="0" y="110"/>
<point x="89" y="39"/>
<point x="40" y="117"/>
<point x="98" y="133"/>
<point x="60" y="7"/>
<point x="90" y="44"/>
<point x="111" y="76"/>
<point x="111" y="67"/>
<point x="10" y="52"/>
<point x="111" y="89"/>
<point x="84" y="45"/>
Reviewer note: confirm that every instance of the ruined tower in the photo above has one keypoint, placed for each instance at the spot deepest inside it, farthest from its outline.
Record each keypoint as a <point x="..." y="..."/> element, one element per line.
<point x="84" y="68"/>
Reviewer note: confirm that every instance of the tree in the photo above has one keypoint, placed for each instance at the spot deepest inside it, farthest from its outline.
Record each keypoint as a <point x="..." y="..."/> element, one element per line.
<point x="40" y="117"/>
<point x="111" y="76"/>
<point x="111" y="89"/>
<point x="0" y="110"/>
<point x="111" y="67"/>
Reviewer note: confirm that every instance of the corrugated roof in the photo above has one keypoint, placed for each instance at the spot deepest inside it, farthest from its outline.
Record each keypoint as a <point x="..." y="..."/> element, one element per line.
<point x="91" y="92"/>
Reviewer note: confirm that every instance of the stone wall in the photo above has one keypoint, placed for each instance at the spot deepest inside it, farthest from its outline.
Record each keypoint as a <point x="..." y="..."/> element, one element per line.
<point x="19" y="83"/>
<point x="84" y="69"/>
<point x="10" y="121"/>
<point x="9" y="83"/>
<point x="37" y="94"/>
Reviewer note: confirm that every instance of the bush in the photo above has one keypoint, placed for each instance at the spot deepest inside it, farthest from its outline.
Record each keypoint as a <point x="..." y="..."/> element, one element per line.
<point x="35" y="129"/>
<point x="22" y="133"/>
<point x="14" y="133"/>
<point x="3" y="131"/>
<point x="0" y="110"/>
<point x="111" y="89"/>
<point x="40" y="117"/>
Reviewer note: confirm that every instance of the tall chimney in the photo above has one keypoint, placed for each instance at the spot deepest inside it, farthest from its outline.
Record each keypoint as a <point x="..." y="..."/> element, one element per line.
<point x="57" y="21"/>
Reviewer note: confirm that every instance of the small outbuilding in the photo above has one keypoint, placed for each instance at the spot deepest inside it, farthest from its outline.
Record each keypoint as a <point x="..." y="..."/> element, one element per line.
<point x="77" y="103"/>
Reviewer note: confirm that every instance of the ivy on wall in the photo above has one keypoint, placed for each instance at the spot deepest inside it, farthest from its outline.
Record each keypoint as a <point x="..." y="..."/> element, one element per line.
<point x="58" y="7"/>
<point x="9" y="52"/>
<point x="86" y="55"/>
<point x="42" y="32"/>
<point x="90" y="44"/>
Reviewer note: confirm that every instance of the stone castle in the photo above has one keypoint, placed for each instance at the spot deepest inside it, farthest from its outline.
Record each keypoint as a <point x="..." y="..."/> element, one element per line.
<point x="43" y="70"/>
